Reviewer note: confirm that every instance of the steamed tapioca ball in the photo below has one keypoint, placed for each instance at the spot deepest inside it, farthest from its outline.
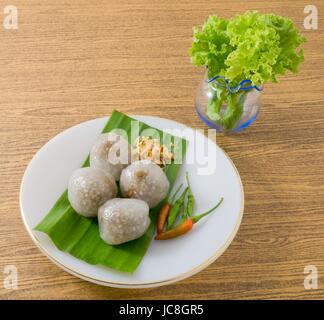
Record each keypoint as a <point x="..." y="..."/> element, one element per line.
<point x="122" y="220"/>
<point x="110" y="153"/>
<point x="144" y="180"/>
<point x="88" y="189"/>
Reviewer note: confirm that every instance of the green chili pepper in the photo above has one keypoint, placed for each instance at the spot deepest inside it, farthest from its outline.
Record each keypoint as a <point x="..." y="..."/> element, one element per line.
<point x="174" y="195"/>
<point x="198" y="217"/>
<point x="175" y="210"/>
<point x="184" y="214"/>
<point x="191" y="198"/>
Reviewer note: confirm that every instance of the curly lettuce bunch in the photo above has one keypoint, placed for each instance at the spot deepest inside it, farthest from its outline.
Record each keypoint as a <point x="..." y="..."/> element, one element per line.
<point x="253" y="46"/>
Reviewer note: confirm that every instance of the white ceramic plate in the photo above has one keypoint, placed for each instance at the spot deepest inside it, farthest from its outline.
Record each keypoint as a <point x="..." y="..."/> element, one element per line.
<point x="166" y="261"/>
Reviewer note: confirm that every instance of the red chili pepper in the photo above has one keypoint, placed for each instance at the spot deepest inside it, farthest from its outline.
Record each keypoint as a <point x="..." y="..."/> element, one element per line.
<point x="163" y="216"/>
<point x="185" y="226"/>
<point x="176" y="232"/>
<point x="164" y="212"/>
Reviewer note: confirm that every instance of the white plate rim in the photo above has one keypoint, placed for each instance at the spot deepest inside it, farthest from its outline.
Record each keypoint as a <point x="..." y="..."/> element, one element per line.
<point x="125" y="285"/>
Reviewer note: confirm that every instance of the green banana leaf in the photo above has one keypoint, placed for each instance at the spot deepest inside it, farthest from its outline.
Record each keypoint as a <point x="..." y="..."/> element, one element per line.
<point x="79" y="236"/>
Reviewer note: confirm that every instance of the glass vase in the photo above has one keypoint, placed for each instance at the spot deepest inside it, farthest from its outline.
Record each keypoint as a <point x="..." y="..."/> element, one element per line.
<point x="224" y="109"/>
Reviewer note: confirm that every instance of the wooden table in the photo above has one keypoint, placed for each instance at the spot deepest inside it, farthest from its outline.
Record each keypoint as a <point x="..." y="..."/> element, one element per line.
<point x="71" y="61"/>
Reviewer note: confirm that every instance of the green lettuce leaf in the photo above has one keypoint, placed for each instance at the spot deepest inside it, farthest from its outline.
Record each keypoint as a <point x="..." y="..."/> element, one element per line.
<point x="253" y="46"/>
<point x="211" y="45"/>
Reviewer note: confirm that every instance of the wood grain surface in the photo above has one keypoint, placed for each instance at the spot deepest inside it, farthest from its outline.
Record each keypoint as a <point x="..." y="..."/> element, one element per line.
<point x="71" y="61"/>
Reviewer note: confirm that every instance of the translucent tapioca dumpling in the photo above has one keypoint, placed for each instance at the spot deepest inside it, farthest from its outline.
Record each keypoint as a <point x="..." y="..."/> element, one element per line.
<point x="144" y="180"/>
<point x="122" y="220"/>
<point x="88" y="189"/>
<point x="110" y="153"/>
